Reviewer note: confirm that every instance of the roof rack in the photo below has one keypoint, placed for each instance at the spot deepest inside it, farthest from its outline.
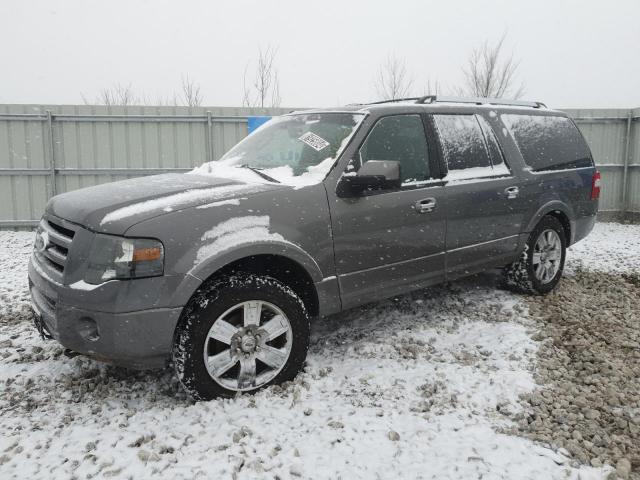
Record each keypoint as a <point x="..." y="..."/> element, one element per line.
<point x="394" y="100"/>
<point x="477" y="101"/>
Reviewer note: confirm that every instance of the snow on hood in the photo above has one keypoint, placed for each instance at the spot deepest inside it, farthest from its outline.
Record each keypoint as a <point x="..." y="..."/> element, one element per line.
<point x="177" y="201"/>
<point x="223" y="169"/>
<point x="114" y="207"/>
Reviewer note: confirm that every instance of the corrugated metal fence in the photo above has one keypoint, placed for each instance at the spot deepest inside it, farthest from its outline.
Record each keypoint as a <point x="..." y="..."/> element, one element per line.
<point x="46" y="150"/>
<point x="614" y="138"/>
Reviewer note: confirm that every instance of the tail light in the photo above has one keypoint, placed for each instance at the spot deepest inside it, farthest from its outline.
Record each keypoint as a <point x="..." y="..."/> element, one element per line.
<point x="595" y="186"/>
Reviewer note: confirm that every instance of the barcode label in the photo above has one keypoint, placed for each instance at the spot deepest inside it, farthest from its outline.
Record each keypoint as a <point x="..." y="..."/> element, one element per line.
<point x="314" y="141"/>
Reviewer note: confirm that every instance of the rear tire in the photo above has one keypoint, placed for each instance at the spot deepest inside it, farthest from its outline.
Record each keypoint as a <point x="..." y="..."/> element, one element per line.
<point x="539" y="268"/>
<point x="240" y="333"/>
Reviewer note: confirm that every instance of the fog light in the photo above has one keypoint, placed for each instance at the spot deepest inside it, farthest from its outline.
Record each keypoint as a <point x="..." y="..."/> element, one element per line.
<point x="88" y="329"/>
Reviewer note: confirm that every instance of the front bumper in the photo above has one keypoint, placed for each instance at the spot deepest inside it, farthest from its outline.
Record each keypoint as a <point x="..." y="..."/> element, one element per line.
<point x="140" y="339"/>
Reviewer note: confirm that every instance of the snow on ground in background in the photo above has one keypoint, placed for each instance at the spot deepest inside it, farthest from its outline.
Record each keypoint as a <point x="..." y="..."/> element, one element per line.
<point x="15" y="248"/>
<point x="610" y="247"/>
<point x="405" y="388"/>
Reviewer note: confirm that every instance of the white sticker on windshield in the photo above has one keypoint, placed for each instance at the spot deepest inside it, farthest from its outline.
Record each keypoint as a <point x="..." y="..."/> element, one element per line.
<point x="314" y="141"/>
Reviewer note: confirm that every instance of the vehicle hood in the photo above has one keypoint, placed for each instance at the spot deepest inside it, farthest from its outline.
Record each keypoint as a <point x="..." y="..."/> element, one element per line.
<point x="115" y="207"/>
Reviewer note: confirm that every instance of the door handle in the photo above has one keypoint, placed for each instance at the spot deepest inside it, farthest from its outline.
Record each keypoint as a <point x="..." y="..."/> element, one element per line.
<point x="426" y="205"/>
<point x="512" y="192"/>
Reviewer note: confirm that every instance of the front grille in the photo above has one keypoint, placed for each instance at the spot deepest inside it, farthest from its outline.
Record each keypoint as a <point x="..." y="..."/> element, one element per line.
<point x="61" y="230"/>
<point x="56" y="241"/>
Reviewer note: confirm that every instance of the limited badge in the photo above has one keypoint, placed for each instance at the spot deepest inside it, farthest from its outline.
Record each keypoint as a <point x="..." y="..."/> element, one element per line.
<point x="314" y="141"/>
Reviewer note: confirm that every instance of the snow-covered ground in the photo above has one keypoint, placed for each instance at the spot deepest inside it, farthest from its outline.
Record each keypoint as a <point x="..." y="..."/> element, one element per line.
<point x="407" y="388"/>
<point x="610" y="247"/>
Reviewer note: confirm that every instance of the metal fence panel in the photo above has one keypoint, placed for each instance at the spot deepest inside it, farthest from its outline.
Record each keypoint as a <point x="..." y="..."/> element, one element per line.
<point x="96" y="144"/>
<point x="633" y="186"/>
<point x="612" y="134"/>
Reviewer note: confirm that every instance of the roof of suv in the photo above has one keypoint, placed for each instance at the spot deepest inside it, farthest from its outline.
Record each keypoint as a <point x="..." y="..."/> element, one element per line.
<point x="435" y="103"/>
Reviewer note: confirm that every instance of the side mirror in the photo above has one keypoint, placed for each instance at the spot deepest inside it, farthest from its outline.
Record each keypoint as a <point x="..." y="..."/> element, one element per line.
<point x="373" y="175"/>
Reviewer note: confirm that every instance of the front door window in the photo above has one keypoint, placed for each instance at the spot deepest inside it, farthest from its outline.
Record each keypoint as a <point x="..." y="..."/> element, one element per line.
<point x="400" y="138"/>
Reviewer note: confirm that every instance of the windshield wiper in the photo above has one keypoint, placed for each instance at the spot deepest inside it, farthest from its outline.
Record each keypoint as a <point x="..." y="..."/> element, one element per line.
<point x="262" y="174"/>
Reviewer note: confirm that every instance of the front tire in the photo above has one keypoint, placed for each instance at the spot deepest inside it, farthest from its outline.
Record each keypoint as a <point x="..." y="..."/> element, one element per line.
<point x="539" y="268"/>
<point x="240" y="333"/>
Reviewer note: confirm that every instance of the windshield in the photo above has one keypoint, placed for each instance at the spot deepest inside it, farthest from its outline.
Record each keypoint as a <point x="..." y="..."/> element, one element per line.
<point x="297" y="149"/>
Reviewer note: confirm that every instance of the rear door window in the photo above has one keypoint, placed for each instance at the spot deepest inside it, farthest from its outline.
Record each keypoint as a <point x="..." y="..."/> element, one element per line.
<point x="495" y="152"/>
<point x="465" y="149"/>
<point x="547" y="142"/>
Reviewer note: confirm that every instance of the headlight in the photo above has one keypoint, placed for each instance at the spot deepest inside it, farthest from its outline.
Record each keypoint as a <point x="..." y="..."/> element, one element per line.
<point x="114" y="257"/>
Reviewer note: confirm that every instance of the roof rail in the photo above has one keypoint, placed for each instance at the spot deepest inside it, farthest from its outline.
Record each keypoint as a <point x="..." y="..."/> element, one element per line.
<point x="394" y="100"/>
<point x="478" y="101"/>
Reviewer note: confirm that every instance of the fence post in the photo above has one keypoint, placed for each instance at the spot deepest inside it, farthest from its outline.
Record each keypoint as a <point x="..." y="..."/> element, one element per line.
<point x="209" y="137"/>
<point x="52" y="160"/>
<point x="625" y="170"/>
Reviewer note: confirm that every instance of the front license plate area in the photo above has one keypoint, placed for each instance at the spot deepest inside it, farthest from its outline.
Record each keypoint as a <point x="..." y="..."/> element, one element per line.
<point x="40" y="325"/>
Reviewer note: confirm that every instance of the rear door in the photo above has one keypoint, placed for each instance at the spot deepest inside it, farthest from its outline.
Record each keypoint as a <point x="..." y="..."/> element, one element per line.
<point x="559" y="168"/>
<point x="484" y="203"/>
<point x="391" y="241"/>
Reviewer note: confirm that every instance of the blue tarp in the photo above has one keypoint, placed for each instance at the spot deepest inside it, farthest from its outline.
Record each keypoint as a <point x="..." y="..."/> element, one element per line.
<point x="255" y="122"/>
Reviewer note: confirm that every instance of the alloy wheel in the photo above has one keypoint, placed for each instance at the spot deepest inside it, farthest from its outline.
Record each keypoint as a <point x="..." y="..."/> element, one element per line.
<point x="248" y="345"/>
<point x="547" y="255"/>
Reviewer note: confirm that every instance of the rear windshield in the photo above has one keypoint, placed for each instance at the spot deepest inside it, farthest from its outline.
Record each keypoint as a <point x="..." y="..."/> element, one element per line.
<point x="548" y="143"/>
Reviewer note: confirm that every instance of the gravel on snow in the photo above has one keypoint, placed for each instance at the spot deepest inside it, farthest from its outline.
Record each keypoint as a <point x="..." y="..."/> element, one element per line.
<point x="428" y="385"/>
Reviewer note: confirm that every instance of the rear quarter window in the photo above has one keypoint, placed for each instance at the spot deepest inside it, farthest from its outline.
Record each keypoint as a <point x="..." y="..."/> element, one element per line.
<point x="547" y="142"/>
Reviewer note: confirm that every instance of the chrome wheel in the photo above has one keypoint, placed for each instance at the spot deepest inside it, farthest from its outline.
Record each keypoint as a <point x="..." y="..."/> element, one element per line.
<point x="547" y="256"/>
<point x="248" y="345"/>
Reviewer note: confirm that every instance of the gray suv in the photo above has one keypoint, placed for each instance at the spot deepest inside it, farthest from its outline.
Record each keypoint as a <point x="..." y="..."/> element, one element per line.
<point x="221" y="270"/>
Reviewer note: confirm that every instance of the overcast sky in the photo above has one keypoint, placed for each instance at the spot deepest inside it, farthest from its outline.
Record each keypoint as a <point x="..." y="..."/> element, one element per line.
<point x="572" y="53"/>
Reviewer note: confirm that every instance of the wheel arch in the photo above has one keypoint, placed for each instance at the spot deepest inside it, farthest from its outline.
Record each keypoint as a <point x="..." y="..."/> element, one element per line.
<point x="559" y="210"/>
<point x="286" y="263"/>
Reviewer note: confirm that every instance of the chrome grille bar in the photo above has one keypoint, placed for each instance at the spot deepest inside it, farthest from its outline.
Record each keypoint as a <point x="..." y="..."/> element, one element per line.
<point x="54" y="235"/>
<point x="59" y="240"/>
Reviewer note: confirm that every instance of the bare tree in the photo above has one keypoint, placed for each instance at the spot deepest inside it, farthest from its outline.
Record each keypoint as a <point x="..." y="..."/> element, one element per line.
<point x="489" y="73"/>
<point x="246" y="91"/>
<point x="432" y="88"/>
<point x="168" y="101"/>
<point x="275" y="91"/>
<point x="191" y="92"/>
<point x="393" y="81"/>
<point x="118" y="94"/>
<point x="265" y="88"/>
